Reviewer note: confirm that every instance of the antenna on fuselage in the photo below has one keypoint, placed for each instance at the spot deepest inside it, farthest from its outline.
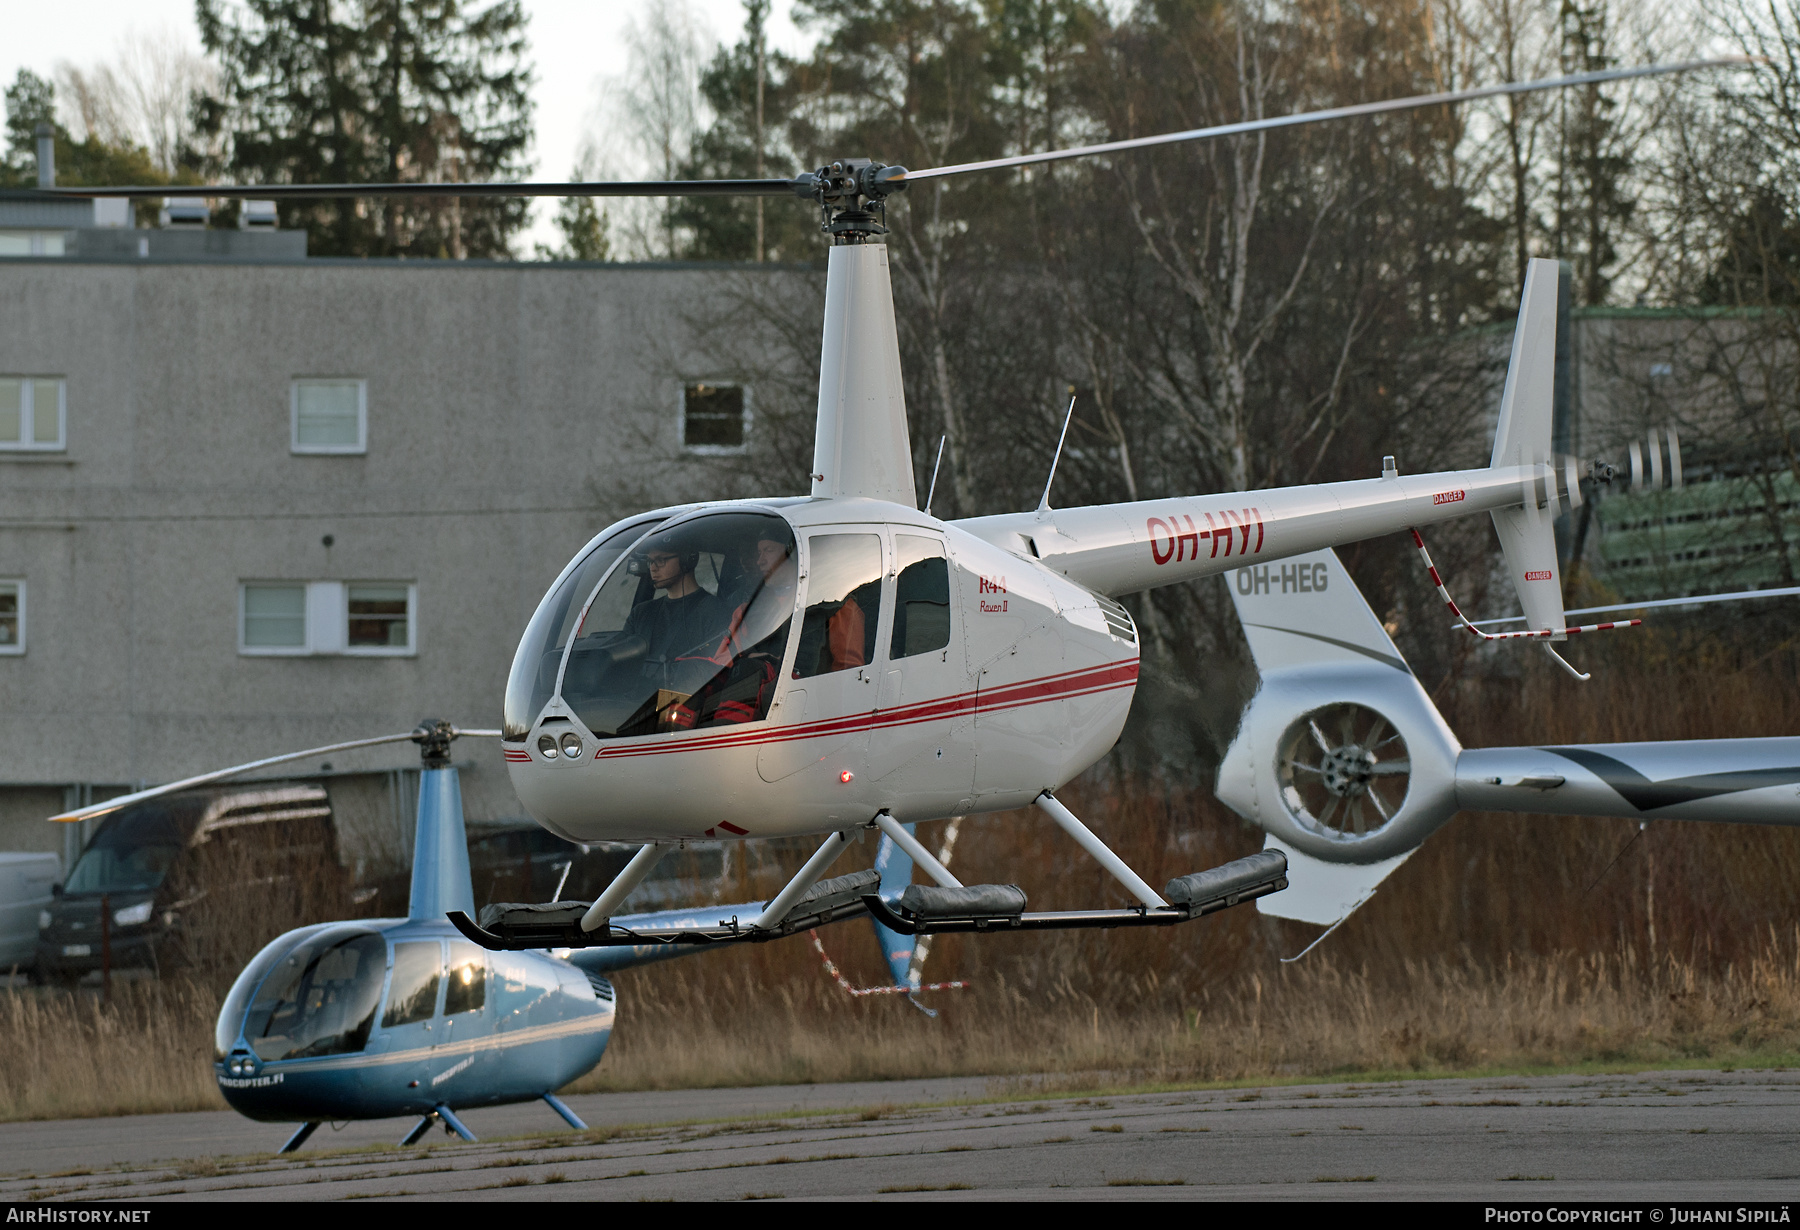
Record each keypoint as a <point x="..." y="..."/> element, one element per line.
<point x="936" y="466"/>
<point x="1044" y="503"/>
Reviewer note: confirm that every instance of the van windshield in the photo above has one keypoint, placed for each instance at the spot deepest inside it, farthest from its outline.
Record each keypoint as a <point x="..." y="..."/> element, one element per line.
<point x="132" y="852"/>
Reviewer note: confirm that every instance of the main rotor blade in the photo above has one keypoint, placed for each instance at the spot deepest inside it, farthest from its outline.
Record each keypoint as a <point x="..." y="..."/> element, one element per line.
<point x="299" y="192"/>
<point x="1334" y="113"/>
<point x="155" y="792"/>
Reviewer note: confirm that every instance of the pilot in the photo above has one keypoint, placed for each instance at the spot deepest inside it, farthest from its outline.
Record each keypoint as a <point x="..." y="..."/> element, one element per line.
<point x="685" y="620"/>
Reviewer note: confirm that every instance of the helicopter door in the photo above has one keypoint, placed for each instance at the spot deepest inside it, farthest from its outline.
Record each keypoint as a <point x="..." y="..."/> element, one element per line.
<point x="932" y="766"/>
<point x="412" y="1004"/>
<point x="836" y="667"/>
<point x="1020" y="677"/>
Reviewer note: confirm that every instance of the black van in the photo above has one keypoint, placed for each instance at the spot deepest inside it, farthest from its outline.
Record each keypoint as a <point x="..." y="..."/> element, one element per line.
<point x="232" y="854"/>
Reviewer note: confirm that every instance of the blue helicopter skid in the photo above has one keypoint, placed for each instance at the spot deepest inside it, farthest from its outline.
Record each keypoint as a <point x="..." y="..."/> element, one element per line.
<point x="453" y="1123"/>
<point x="558" y="924"/>
<point x="569" y="1116"/>
<point x="299" y="1137"/>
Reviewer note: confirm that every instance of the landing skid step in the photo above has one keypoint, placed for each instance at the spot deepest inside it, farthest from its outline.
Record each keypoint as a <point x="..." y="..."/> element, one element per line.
<point x="1000" y="907"/>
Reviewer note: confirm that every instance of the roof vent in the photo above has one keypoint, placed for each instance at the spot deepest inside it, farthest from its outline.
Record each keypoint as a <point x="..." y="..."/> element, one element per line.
<point x="188" y="211"/>
<point x="258" y="216"/>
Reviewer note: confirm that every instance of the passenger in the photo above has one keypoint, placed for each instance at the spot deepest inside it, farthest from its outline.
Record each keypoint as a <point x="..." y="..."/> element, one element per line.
<point x="845" y="632"/>
<point x="752" y="648"/>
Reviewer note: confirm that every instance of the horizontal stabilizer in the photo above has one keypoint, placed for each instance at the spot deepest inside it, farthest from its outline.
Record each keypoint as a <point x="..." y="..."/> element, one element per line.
<point x="1324" y="893"/>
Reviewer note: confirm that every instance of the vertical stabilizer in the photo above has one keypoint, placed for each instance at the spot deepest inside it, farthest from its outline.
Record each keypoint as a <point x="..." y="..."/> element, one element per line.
<point x="861" y="447"/>
<point x="1324" y="893"/>
<point x="440" y="874"/>
<point x="1523" y="438"/>
<point x="896" y="868"/>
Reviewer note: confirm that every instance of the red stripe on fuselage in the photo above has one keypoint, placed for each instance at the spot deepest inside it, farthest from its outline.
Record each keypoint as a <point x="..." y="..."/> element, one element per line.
<point x="1064" y="686"/>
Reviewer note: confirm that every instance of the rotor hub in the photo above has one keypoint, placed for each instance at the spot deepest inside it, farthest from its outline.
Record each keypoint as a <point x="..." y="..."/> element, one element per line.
<point x="1342" y="771"/>
<point x="852" y="197"/>
<point x="433" y="736"/>
<point x="1346" y="770"/>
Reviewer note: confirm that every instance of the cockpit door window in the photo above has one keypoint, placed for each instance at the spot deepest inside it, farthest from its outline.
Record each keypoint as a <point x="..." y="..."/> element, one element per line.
<point x="413" y="989"/>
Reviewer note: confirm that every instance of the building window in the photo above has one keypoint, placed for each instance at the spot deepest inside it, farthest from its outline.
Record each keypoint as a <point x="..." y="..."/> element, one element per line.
<point x="380" y="617"/>
<point x="31" y="413"/>
<point x="295" y="618"/>
<point x="12" y="617"/>
<point x="274" y="619"/>
<point x="715" y="418"/>
<point x="33" y="243"/>
<point x="330" y="416"/>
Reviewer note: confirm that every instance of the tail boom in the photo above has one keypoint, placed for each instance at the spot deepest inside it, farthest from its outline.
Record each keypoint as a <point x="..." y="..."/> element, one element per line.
<point x="1123" y="548"/>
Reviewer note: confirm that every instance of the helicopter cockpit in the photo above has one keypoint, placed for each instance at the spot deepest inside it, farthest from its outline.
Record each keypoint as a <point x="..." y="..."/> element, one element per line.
<point x="663" y="626"/>
<point x="315" y="997"/>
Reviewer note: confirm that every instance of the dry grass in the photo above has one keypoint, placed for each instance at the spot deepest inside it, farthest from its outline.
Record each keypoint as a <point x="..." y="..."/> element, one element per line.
<point x="1488" y="950"/>
<point x="69" y="1055"/>
<point x="683" y="1028"/>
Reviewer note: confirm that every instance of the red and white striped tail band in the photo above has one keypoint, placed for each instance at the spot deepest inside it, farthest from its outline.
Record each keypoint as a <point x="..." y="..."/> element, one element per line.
<point x="1536" y="634"/>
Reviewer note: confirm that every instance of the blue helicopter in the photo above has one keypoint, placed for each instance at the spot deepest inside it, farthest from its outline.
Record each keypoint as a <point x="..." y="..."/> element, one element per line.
<point x="378" y="1018"/>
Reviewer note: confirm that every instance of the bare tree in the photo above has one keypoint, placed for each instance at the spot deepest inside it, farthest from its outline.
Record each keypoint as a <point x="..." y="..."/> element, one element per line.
<point x="647" y="120"/>
<point x="142" y="96"/>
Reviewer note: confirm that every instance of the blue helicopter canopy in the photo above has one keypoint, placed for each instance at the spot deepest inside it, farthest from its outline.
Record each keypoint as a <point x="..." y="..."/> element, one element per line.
<point x="311" y="992"/>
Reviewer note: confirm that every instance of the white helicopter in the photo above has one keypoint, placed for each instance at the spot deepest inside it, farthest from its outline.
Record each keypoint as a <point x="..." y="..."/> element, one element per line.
<point x="828" y="664"/>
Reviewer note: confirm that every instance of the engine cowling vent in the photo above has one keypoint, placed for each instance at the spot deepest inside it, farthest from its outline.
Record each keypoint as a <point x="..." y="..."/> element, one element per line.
<point x="1344" y="771"/>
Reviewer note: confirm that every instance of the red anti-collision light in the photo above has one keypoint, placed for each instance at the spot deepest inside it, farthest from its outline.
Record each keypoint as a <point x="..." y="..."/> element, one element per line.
<point x="846" y="777"/>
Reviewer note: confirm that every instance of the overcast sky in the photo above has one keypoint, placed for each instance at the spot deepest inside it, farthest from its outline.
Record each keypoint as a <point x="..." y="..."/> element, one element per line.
<point x="576" y="45"/>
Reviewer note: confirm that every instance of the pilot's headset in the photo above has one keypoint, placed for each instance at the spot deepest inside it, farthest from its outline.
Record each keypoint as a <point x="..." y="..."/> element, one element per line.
<point x="639" y="565"/>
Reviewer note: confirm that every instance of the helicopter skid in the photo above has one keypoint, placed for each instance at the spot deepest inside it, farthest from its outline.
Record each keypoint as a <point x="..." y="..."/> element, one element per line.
<point x="558" y="924"/>
<point x="1064" y="920"/>
<point x="728" y="931"/>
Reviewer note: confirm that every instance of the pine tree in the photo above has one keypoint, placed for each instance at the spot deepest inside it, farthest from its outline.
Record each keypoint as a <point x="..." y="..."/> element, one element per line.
<point x="354" y="91"/>
<point x="30" y="101"/>
<point x="584" y="230"/>
<point x="751" y="93"/>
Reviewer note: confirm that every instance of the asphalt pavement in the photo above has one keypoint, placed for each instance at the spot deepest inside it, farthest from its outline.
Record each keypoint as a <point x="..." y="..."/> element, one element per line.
<point x="1656" y="1136"/>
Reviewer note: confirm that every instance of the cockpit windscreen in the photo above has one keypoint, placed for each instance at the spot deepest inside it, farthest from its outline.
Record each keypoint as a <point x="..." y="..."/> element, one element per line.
<point x="540" y="652"/>
<point x="689" y="632"/>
